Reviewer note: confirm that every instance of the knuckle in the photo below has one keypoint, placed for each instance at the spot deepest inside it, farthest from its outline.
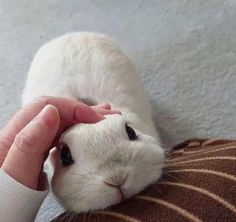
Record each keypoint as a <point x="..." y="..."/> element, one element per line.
<point x="5" y="142"/>
<point x="23" y="141"/>
<point x="5" y="139"/>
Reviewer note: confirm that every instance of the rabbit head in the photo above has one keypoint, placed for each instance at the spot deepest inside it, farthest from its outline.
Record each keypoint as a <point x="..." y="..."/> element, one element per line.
<point x="103" y="163"/>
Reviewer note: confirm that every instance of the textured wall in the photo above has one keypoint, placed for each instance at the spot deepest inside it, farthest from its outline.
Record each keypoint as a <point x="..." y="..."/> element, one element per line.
<point x="184" y="51"/>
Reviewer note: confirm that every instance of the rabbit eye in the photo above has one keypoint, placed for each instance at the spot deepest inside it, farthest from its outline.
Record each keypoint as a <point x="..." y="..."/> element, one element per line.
<point x="130" y="132"/>
<point x="66" y="157"/>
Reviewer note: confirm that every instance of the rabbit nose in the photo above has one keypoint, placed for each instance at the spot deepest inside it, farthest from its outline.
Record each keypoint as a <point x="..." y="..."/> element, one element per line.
<point x="116" y="181"/>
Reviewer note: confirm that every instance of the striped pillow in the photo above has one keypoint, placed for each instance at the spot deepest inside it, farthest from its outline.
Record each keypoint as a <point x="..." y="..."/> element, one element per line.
<point x="199" y="184"/>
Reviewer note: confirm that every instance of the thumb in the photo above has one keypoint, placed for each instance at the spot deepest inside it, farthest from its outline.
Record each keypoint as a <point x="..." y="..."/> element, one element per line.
<point x="25" y="158"/>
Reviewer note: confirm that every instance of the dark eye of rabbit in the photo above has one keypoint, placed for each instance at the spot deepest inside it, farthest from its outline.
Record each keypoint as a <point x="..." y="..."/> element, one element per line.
<point x="130" y="132"/>
<point x="66" y="157"/>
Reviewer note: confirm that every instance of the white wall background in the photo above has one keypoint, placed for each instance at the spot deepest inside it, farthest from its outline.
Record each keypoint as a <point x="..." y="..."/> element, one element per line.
<point x="184" y="51"/>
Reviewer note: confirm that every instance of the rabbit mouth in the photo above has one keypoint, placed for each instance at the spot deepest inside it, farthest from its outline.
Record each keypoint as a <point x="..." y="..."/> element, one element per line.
<point x="120" y="195"/>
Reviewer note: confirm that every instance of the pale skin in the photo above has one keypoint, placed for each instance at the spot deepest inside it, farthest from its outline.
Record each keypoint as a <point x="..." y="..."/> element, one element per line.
<point x="30" y="134"/>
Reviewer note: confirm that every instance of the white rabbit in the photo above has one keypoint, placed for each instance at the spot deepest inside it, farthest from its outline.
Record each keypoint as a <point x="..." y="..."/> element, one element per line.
<point x="103" y="163"/>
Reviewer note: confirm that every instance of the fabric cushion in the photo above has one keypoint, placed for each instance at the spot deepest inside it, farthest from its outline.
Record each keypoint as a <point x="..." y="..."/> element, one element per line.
<point x="198" y="184"/>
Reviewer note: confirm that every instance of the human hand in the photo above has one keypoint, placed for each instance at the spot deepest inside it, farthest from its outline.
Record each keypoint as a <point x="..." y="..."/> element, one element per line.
<point x="26" y="140"/>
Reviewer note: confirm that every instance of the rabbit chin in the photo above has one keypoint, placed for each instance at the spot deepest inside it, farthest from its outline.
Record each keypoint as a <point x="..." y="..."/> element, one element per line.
<point x="94" y="201"/>
<point x="96" y="195"/>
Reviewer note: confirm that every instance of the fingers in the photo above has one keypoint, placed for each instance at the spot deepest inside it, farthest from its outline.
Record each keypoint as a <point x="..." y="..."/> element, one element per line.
<point x="73" y="110"/>
<point x="70" y="111"/>
<point x="105" y="109"/>
<point x="26" y="155"/>
<point x="103" y="106"/>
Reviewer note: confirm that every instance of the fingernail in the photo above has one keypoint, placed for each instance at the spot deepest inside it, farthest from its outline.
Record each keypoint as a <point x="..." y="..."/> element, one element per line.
<point x="86" y="115"/>
<point x="116" y="112"/>
<point x="49" y="115"/>
<point x="107" y="105"/>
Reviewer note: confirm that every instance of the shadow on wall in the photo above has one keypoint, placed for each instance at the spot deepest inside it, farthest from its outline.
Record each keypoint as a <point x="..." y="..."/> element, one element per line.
<point x="171" y="129"/>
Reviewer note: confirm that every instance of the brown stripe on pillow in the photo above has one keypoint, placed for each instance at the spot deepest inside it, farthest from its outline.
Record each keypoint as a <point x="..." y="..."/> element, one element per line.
<point x="198" y="184"/>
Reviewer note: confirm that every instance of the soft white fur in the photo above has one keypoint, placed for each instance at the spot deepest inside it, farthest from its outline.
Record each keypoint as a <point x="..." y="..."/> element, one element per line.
<point x="88" y="65"/>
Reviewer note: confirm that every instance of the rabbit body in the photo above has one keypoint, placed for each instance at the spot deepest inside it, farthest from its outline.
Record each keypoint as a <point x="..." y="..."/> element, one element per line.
<point x="108" y="167"/>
